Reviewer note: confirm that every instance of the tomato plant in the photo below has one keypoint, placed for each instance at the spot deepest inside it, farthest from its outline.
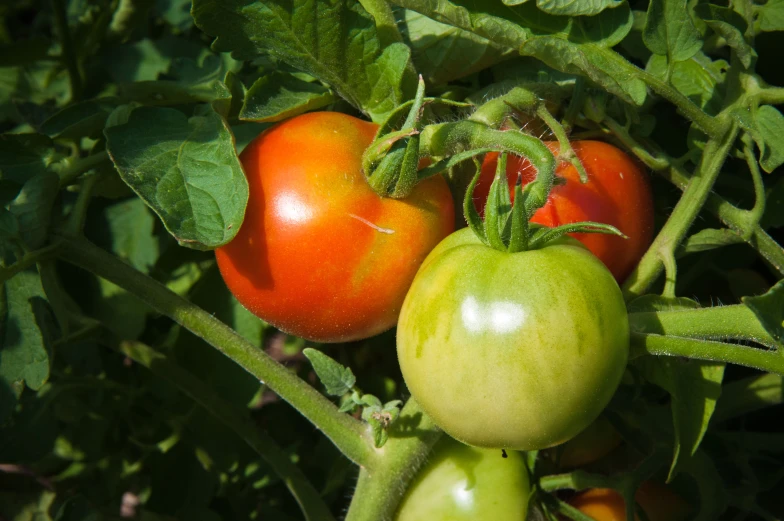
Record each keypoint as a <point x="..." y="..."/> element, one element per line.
<point x="462" y="483"/>
<point x="657" y="501"/>
<point x="541" y="335"/>
<point x="307" y="151"/>
<point x="316" y="240"/>
<point x="617" y="192"/>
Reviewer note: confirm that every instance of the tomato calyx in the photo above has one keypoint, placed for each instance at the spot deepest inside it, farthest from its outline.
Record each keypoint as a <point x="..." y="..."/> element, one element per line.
<point x="506" y="225"/>
<point x="391" y="162"/>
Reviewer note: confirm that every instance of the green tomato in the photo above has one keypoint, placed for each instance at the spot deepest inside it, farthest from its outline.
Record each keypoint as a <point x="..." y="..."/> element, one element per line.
<point x="462" y="483"/>
<point x="516" y="350"/>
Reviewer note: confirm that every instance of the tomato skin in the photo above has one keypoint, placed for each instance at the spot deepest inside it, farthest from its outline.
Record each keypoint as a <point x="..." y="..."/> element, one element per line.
<point x="520" y="351"/>
<point x="617" y="193"/>
<point x="462" y="483"/>
<point x="320" y="255"/>
<point x="657" y="501"/>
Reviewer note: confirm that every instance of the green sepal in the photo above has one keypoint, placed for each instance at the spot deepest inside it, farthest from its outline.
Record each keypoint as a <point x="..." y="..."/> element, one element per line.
<point x="473" y="219"/>
<point x="544" y="235"/>
<point x="520" y="233"/>
<point x="397" y="154"/>
<point x="497" y="207"/>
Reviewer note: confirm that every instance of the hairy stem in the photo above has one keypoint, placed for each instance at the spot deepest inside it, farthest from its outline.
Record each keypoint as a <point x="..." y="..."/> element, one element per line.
<point x="349" y="435"/>
<point x="735" y="322"/>
<point x="770" y="361"/>
<point x="676" y="227"/>
<point x="382" y="484"/>
<point x="313" y="507"/>
<point x="70" y="173"/>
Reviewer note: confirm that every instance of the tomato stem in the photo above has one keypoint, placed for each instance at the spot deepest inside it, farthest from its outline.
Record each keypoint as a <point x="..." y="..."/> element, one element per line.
<point x="684" y="213"/>
<point x="384" y="480"/>
<point x="736" y="322"/>
<point x="349" y="435"/>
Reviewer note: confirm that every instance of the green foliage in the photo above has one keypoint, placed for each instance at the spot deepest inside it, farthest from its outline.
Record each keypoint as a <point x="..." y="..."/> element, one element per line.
<point x="121" y="395"/>
<point x="185" y="169"/>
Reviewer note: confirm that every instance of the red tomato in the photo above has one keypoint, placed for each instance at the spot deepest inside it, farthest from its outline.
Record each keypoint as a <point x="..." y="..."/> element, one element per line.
<point x="657" y="501"/>
<point x="617" y="193"/>
<point x="320" y="255"/>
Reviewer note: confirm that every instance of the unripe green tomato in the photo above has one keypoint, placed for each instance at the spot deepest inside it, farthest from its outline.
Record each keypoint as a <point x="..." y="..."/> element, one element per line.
<point x="462" y="483"/>
<point x="512" y="350"/>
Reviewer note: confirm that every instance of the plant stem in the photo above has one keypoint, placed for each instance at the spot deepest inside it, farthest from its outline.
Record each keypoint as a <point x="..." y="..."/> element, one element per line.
<point x="735" y="322"/>
<point x="75" y="223"/>
<point x="28" y="260"/>
<point x="68" y="52"/>
<point x="382" y="484"/>
<point x="737" y="219"/>
<point x="689" y="205"/>
<point x="770" y="361"/>
<point x="309" y="500"/>
<point x="69" y="174"/>
<point x="349" y="435"/>
<point x="708" y="124"/>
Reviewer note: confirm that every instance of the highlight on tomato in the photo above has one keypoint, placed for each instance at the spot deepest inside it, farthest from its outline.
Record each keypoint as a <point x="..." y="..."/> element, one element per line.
<point x="657" y="501"/>
<point x="320" y="255"/>
<point x="617" y="192"/>
<point x="462" y="483"/>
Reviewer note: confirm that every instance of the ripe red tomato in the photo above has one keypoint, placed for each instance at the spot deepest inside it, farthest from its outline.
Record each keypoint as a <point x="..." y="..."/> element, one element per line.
<point x="617" y="193"/>
<point x="320" y="255"/>
<point x="657" y="501"/>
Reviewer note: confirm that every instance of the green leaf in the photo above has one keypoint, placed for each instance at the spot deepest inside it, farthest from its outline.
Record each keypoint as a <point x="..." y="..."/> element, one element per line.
<point x="750" y="394"/>
<point x="279" y="96"/>
<point x="699" y="78"/>
<point x="695" y="386"/>
<point x="505" y="26"/>
<point x="770" y="15"/>
<point x="606" y="29"/>
<point x="601" y="65"/>
<point x="337" y="379"/>
<point x="769" y="309"/>
<point x="33" y="208"/>
<point x="731" y="26"/>
<point x="335" y="42"/>
<point x="576" y="7"/>
<point x="443" y="53"/>
<point x="669" y="30"/>
<point x="185" y="169"/>
<point x="9" y="228"/>
<point x="131" y="226"/>
<point x="709" y="239"/>
<point x="770" y="137"/>
<point x="713" y="494"/>
<point x="186" y="82"/>
<point x="176" y="13"/>
<point x="82" y="119"/>
<point x="26" y="331"/>
<point x="24" y="156"/>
